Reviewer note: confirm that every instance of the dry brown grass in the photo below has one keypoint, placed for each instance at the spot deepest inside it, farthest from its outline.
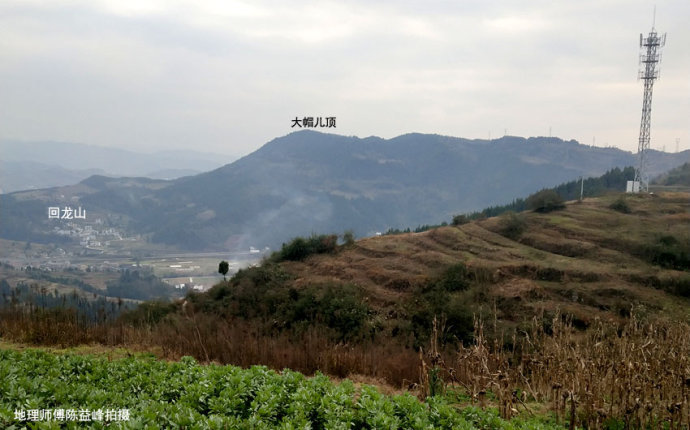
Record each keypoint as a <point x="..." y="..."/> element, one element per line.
<point x="637" y="373"/>
<point x="210" y="339"/>
<point x="588" y="244"/>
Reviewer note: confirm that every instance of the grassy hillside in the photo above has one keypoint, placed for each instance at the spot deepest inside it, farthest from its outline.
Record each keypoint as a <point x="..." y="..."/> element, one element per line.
<point x="588" y="259"/>
<point x="591" y="260"/>
<point x="581" y="311"/>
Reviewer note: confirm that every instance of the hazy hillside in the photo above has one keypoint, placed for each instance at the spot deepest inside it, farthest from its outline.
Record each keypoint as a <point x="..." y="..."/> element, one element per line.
<point x="34" y="165"/>
<point x="678" y="176"/>
<point x="311" y="182"/>
<point x="30" y="175"/>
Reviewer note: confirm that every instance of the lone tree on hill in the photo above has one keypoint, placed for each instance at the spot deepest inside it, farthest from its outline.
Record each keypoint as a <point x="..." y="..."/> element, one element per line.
<point x="223" y="268"/>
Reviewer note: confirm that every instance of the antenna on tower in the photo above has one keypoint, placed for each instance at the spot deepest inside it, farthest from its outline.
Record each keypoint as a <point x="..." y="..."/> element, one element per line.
<point x="649" y="58"/>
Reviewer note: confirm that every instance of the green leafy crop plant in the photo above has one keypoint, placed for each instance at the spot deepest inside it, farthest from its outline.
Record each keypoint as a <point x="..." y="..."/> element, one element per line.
<point x="185" y="394"/>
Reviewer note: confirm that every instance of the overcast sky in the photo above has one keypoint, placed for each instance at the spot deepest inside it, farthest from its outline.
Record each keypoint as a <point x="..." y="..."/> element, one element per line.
<point x="228" y="76"/>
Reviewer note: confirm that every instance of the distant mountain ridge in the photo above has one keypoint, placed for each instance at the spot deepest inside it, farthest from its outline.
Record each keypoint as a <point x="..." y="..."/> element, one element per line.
<point x="35" y="165"/>
<point x="312" y="182"/>
<point x="30" y="175"/>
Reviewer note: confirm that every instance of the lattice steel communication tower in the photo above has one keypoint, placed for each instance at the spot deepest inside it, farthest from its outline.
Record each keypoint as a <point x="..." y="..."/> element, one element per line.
<point x="649" y="57"/>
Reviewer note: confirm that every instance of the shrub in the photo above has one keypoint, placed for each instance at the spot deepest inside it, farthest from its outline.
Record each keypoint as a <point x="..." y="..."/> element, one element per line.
<point x="668" y="252"/>
<point x="512" y="225"/>
<point x="434" y="301"/>
<point x="342" y="310"/>
<point x="620" y="205"/>
<point x="265" y="295"/>
<point x="681" y="286"/>
<point x="668" y="240"/>
<point x="295" y="250"/>
<point x="460" y="219"/>
<point x="545" y="201"/>
<point x="149" y="313"/>
<point x="300" y="248"/>
<point x="336" y="306"/>
<point x="455" y="278"/>
<point x="138" y="284"/>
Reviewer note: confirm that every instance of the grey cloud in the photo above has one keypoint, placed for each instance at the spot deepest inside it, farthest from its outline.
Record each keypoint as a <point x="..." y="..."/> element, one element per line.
<point x="176" y="79"/>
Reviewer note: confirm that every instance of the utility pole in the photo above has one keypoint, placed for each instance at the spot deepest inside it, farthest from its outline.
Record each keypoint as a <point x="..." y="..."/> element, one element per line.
<point x="582" y="187"/>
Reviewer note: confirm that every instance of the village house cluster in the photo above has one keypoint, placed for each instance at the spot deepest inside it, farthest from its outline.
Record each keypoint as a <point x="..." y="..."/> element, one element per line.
<point x="89" y="237"/>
